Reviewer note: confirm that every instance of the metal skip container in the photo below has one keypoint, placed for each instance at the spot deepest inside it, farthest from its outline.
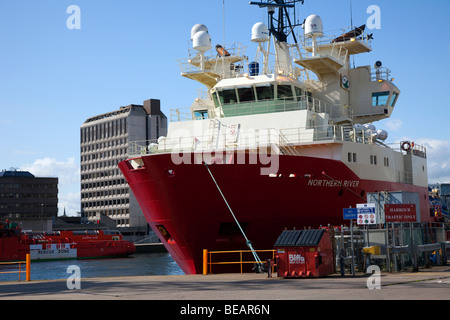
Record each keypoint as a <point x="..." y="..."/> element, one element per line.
<point x="304" y="253"/>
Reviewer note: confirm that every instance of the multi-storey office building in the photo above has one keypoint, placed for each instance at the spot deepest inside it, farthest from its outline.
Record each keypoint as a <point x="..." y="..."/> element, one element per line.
<point x="104" y="143"/>
<point x="24" y="196"/>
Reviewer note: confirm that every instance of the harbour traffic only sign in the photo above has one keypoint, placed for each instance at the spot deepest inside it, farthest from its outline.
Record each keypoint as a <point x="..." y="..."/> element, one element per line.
<point x="400" y="212"/>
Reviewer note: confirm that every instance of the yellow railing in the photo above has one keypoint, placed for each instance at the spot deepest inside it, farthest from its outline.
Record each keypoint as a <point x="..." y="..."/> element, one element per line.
<point x="27" y="267"/>
<point x="207" y="258"/>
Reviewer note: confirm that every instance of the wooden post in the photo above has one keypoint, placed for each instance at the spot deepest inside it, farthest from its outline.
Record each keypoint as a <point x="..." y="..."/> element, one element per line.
<point x="205" y="261"/>
<point x="28" y="260"/>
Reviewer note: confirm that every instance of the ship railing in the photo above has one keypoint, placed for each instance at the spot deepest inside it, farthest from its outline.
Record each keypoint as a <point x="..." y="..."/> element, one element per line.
<point x="416" y="149"/>
<point x="225" y="138"/>
<point x="212" y="61"/>
<point x="337" y="52"/>
<point x="303" y="102"/>
<point x="181" y="114"/>
<point x="380" y="74"/>
<point x="307" y="42"/>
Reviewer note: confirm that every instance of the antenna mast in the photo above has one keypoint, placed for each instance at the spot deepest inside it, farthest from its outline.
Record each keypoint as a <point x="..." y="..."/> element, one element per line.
<point x="280" y="26"/>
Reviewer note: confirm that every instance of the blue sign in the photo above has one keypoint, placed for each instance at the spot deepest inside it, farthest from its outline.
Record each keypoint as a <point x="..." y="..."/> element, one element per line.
<point x="350" y="213"/>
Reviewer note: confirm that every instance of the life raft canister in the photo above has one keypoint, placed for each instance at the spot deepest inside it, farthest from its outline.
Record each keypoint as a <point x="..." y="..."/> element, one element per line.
<point x="221" y="51"/>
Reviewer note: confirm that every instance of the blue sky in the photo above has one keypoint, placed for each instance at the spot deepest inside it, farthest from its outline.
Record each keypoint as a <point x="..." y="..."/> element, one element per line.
<point x="52" y="78"/>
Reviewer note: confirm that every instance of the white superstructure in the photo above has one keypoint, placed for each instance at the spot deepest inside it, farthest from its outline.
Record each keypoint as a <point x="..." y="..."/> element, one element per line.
<point x="298" y="99"/>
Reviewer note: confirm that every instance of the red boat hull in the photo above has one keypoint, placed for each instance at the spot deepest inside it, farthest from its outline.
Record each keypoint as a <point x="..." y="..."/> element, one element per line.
<point x="14" y="246"/>
<point x="186" y="210"/>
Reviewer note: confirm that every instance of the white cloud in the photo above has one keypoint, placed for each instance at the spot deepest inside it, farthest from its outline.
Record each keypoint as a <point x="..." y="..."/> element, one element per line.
<point x="438" y="159"/>
<point x="394" y="124"/>
<point x="68" y="174"/>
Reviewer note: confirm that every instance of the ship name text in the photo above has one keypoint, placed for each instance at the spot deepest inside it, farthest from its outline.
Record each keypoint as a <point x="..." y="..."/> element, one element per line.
<point x="333" y="183"/>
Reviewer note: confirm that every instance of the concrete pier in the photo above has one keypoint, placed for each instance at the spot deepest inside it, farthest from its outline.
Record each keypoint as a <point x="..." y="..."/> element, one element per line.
<point x="427" y="284"/>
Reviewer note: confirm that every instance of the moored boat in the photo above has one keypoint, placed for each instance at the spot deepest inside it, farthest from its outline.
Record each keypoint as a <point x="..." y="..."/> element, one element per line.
<point x="287" y="145"/>
<point x="60" y="245"/>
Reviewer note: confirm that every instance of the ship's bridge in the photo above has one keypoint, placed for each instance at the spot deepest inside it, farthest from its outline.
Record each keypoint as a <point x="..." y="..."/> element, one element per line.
<point x="374" y="94"/>
<point x="267" y="94"/>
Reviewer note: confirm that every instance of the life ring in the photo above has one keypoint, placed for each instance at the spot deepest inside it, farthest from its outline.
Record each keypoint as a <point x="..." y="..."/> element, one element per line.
<point x="406" y="145"/>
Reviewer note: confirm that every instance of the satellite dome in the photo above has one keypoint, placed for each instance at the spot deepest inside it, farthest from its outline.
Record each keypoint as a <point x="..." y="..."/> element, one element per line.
<point x="369" y="126"/>
<point x="382" y="134"/>
<point x="260" y="32"/>
<point x="313" y="26"/>
<point x="201" y="41"/>
<point x="197" y="28"/>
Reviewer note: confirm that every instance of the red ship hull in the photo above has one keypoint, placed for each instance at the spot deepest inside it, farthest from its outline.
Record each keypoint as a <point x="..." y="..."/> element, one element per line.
<point x="184" y="207"/>
<point x="14" y="246"/>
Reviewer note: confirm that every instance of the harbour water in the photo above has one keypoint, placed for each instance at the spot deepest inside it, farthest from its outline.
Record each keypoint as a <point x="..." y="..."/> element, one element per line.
<point x="139" y="264"/>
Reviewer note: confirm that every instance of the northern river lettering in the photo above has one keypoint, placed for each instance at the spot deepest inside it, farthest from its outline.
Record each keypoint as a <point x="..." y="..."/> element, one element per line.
<point x="333" y="183"/>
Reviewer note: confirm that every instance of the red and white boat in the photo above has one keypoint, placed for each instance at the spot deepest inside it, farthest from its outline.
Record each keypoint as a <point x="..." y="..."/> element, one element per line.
<point x="61" y="245"/>
<point x="276" y="143"/>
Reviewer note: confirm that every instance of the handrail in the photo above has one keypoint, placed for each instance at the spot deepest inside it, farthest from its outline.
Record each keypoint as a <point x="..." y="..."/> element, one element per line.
<point x="380" y="74"/>
<point x="302" y="102"/>
<point x="262" y="138"/>
<point x="27" y="267"/>
<point x="307" y="42"/>
<point x="213" y="60"/>
<point x="207" y="260"/>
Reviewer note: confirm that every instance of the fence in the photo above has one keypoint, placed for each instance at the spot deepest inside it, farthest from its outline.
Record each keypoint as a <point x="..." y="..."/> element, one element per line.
<point x="27" y="267"/>
<point x="399" y="246"/>
<point x="208" y="263"/>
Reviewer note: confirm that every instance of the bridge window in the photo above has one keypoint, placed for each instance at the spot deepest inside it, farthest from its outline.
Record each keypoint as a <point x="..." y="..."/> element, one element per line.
<point x="380" y="98"/>
<point x="246" y="94"/>
<point x="227" y="96"/>
<point x="298" y="92"/>
<point x="285" y="92"/>
<point x="201" y="114"/>
<point x="264" y="92"/>
<point x="394" y="99"/>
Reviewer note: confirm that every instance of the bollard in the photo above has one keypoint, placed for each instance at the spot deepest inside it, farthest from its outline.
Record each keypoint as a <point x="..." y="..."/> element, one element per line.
<point x="205" y="261"/>
<point x="444" y="254"/>
<point x="341" y="263"/>
<point x="28" y="265"/>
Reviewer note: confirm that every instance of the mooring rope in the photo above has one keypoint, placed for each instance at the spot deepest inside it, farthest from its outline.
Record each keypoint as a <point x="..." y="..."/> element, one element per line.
<point x="247" y="241"/>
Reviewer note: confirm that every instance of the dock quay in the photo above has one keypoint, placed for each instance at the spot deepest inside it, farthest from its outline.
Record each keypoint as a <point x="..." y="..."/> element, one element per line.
<point x="427" y="284"/>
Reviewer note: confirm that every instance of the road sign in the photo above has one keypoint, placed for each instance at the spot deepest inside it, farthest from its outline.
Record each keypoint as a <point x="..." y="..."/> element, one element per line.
<point x="366" y="214"/>
<point x="350" y="213"/>
<point x="400" y="212"/>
